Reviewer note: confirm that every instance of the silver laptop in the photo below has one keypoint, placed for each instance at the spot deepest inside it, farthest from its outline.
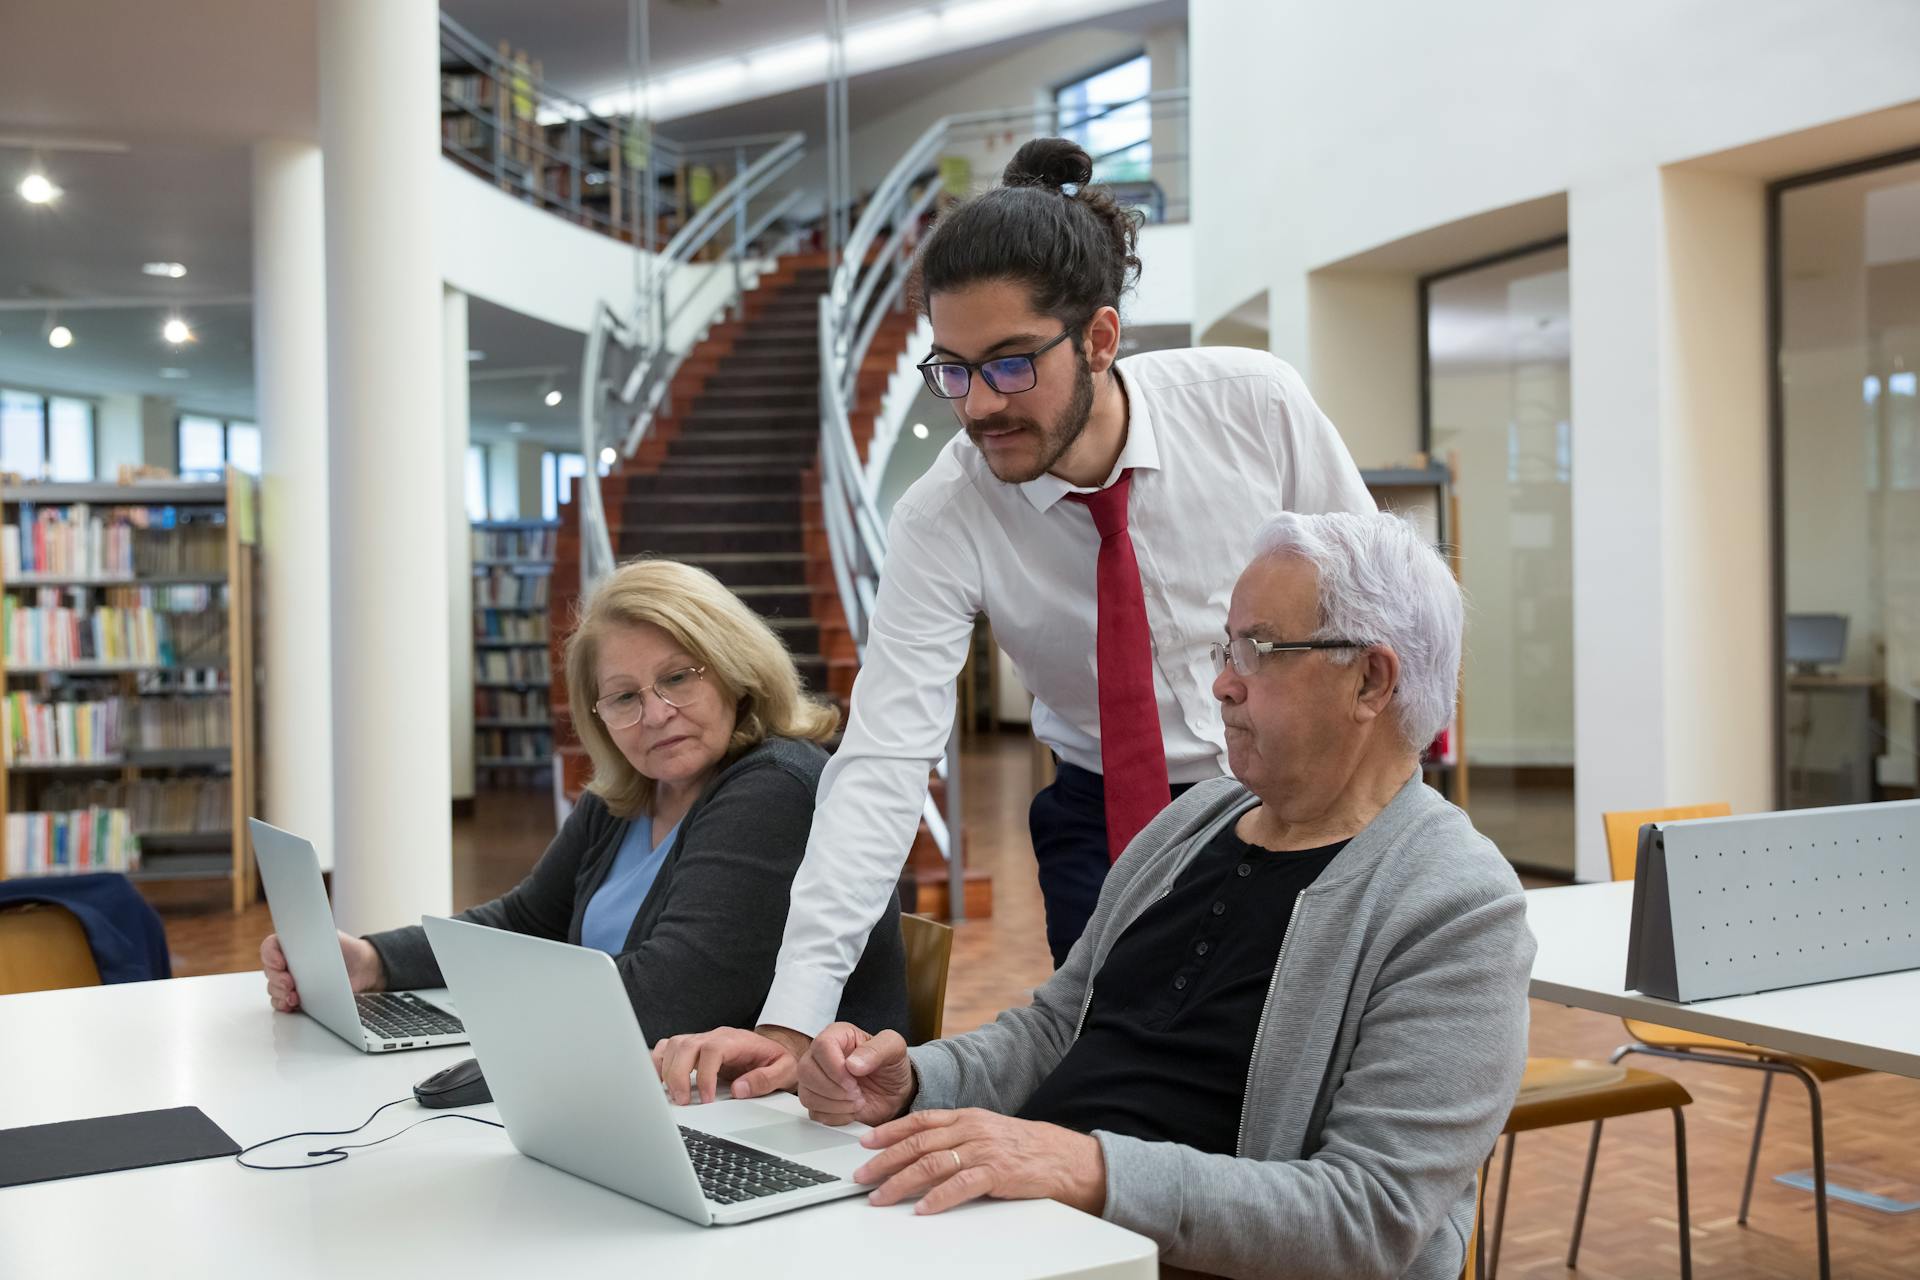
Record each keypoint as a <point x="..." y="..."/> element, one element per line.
<point x="377" y="1022"/>
<point x="569" y="1067"/>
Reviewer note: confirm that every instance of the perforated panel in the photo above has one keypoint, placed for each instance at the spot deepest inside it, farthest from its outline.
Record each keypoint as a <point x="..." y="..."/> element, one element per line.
<point x="1783" y="899"/>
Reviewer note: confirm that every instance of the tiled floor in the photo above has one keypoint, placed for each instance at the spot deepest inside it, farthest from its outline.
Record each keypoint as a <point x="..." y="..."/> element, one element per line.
<point x="1873" y="1122"/>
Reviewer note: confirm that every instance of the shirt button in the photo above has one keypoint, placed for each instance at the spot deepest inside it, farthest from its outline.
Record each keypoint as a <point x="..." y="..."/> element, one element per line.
<point x="1200" y="948"/>
<point x="1245" y="869"/>
<point x="1219" y="908"/>
<point x="1180" y="983"/>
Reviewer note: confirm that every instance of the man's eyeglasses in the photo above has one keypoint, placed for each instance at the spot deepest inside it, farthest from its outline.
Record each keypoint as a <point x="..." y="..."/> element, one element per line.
<point x="1245" y="652"/>
<point x="1006" y="375"/>
<point x="623" y="710"/>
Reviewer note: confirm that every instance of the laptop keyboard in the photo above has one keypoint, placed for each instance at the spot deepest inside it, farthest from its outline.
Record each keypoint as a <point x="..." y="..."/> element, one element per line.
<point x="730" y="1173"/>
<point x="402" y="1015"/>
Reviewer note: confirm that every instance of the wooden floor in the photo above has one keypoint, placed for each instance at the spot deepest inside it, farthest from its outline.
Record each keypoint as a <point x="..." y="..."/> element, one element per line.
<point x="1873" y="1122"/>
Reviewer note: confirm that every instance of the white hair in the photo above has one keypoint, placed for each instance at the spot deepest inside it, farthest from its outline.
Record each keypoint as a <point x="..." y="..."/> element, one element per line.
<point x="1382" y="582"/>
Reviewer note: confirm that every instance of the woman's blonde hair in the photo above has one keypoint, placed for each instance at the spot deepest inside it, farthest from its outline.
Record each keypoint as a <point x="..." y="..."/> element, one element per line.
<point x="744" y="660"/>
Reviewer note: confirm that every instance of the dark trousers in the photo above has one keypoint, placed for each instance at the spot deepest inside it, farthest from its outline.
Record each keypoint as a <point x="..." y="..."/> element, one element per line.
<point x="1068" y="822"/>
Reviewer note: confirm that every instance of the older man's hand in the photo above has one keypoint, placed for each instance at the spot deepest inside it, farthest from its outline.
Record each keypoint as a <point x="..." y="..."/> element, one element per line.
<point x="950" y="1157"/>
<point x="754" y="1064"/>
<point x="850" y="1075"/>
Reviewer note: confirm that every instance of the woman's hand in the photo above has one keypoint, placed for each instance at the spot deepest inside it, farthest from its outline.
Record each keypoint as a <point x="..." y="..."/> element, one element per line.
<point x="753" y="1063"/>
<point x="364" y="970"/>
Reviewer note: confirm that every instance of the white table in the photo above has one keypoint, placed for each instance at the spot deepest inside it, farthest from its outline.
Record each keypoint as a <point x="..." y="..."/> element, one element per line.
<point x="449" y="1198"/>
<point x="1582" y="934"/>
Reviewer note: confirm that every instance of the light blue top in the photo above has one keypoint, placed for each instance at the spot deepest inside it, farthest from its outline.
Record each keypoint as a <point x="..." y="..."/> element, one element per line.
<point x="610" y="912"/>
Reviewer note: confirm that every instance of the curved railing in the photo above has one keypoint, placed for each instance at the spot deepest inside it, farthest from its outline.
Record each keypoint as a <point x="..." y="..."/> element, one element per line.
<point x="870" y="280"/>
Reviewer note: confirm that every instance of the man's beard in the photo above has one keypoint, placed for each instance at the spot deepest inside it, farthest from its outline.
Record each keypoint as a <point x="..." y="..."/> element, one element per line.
<point x="1055" y="440"/>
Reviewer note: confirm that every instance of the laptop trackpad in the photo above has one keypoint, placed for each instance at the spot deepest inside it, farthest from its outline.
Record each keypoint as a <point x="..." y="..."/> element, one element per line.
<point x="795" y="1137"/>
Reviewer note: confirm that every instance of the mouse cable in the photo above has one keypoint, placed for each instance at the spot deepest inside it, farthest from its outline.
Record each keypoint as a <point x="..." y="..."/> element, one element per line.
<point x="338" y="1153"/>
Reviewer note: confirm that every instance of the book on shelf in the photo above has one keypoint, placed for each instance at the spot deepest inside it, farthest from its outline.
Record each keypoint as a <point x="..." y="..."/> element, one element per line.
<point x="503" y="588"/>
<point x="71" y="842"/>
<point x="133" y="625"/>
<point x="38" y="731"/>
<point x="528" y="627"/>
<point x="524" y="666"/>
<point x="510" y="704"/>
<point x="180" y="724"/>
<point x="78" y="540"/>
<point x="156" y="806"/>
<point x="534" y="746"/>
<point x="518" y="545"/>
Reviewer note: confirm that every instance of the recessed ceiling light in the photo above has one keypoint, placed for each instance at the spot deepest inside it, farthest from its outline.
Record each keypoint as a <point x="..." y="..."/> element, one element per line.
<point x="553" y="398"/>
<point x="175" y="330"/>
<point x="37" y="188"/>
<point x="518" y="428"/>
<point x="608" y="457"/>
<point x="59" y="337"/>
<point x="173" y="373"/>
<point x="474" y="356"/>
<point x="919" y="431"/>
<point x="168" y="270"/>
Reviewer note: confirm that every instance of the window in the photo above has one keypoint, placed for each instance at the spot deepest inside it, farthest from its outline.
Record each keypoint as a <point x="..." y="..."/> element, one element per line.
<point x="476" y="482"/>
<point x="208" y="446"/>
<point x="1846" y="279"/>
<point x="1118" y="137"/>
<point x="558" y="471"/>
<point x="46" y="437"/>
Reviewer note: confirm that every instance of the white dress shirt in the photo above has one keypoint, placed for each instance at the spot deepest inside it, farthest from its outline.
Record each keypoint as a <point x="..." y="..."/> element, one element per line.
<point x="1218" y="440"/>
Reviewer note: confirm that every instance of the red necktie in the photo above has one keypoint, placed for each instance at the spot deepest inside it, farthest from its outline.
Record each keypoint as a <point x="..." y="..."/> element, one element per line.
<point x="1133" y="759"/>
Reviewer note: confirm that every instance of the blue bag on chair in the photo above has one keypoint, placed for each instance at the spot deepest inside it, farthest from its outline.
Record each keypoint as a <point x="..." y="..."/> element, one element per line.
<point x="128" y="941"/>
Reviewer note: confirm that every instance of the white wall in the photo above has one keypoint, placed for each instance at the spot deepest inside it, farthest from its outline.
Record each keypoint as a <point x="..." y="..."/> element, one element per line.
<point x="527" y="259"/>
<point x="1398" y="134"/>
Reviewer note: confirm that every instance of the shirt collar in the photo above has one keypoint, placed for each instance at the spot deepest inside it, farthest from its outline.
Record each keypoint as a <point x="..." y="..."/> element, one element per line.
<point x="1140" y="452"/>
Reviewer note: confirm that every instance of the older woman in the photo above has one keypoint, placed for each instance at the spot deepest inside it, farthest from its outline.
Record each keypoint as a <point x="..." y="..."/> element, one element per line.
<point x="678" y="859"/>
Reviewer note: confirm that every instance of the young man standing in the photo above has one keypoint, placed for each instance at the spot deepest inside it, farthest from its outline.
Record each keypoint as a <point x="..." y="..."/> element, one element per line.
<point x="1097" y="512"/>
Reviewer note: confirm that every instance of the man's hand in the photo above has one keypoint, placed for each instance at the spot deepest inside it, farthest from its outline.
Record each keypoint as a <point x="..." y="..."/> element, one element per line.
<point x="850" y="1075"/>
<point x="755" y="1064"/>
<point x="951" y="1157"/>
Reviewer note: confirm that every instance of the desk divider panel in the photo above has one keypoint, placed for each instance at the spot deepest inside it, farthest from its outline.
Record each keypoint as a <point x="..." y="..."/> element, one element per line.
<point x="1733" y="906"/>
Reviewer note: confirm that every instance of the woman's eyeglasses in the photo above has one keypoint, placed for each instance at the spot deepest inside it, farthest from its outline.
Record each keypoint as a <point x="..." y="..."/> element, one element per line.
<point x="623" y="710"/>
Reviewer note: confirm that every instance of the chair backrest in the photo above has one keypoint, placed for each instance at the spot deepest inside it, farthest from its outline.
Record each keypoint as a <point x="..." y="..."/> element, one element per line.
<point x="43" y="948"/>
<point x="1623" y="829"/>
<point x="1471" y="1268"/>
<point x="929" y="951"/>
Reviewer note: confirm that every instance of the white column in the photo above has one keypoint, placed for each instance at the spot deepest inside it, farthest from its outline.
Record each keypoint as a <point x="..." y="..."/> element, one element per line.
<point x="379" y="128"/>
<point x="290" y="379"/>
<point x="1673" y="690"/>
<point x="453" y="342"/>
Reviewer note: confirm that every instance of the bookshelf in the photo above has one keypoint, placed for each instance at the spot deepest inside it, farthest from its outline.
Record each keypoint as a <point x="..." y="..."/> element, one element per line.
<point x="512" y="658"/>
<point x="127" y="660"/>
<point x="1424" y="491"/>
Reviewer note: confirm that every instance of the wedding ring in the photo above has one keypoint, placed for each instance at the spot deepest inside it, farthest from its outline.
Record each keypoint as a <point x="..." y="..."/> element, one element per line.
<point x="957" y="1166"/>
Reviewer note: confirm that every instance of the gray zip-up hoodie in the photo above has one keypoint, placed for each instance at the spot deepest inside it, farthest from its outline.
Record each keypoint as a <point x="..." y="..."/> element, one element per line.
<point x="1386" y="1060"/>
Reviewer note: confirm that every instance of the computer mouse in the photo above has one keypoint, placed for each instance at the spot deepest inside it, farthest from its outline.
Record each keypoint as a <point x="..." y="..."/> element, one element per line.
<point x="460" y="1085"/>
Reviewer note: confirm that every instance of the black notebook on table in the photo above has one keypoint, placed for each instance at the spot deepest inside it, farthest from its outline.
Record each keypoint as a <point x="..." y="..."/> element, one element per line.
<point x="108" y="1144"/>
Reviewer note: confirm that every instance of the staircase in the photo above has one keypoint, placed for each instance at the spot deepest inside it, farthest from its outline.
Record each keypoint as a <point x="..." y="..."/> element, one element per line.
<point x="727" y="479"/>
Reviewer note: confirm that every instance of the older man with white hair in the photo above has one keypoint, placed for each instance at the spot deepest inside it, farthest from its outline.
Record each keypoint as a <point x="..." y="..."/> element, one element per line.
<point x="1298" y="1018"/>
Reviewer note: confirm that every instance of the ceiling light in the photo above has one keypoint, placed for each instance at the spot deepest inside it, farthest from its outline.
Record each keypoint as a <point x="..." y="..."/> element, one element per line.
<point x="175" y="330"/>
<point x="37" y="188"/>
<point x="608" y="457"/>
<point x="475" y="356"/>
<point x="59" y="337"/>
<point x="553" y="398"/>
<point x="167" y="270"/>
<point x="517" y="428"/>
<point x="173" y="373"/>
<point x="919" y="431"/>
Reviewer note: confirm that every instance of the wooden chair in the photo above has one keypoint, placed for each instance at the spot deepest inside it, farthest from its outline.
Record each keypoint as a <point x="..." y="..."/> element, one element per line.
<point x="1623" y="839"/>
<point x="929" y="947"/>
<point x="1557" y="1091"/>
<point x="43" y="948"/>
